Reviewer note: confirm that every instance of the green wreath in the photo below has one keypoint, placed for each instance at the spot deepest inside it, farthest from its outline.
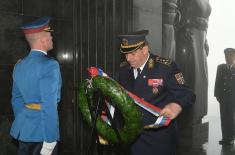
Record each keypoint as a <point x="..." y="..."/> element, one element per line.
<point x="120" y="99"/>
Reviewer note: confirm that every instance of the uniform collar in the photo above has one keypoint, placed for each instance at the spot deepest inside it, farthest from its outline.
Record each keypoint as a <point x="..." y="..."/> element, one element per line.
<point x="228" y="66"/>
<point x="44" y="52"/>
<point x="35" y="52"/>
<point x="141" y="67"/>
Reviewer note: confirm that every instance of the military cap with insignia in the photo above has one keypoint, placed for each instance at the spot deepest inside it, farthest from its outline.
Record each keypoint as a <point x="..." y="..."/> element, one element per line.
<point x="132" y="41"/>
<point x="39" y="25"/>
<point x="229" y="50"/>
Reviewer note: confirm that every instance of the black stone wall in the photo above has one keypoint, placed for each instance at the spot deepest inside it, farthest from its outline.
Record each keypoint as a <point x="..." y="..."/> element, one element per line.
<point x="84" y="35"/>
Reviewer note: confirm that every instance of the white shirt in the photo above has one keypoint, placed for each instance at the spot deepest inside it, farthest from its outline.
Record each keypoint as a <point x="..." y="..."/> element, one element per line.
<point x="141" y="68"/>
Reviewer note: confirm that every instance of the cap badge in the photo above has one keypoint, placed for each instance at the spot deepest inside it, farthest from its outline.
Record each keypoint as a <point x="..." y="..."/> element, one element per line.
<point x="124" y="42"/>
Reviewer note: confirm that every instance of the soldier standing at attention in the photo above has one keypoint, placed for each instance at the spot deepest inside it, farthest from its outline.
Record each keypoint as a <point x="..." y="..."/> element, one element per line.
<point x="36" y="93"/>
<point x="158" y="81"/>
<point x="225" y="95"/>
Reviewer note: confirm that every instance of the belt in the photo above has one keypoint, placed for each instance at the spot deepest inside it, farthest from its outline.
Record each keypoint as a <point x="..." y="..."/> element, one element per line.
<point x="33" y="106"/>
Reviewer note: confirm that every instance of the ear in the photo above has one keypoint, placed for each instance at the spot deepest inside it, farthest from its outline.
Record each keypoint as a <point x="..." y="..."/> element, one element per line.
<point x="145" y="49"/>
<point x="43" y="42"/>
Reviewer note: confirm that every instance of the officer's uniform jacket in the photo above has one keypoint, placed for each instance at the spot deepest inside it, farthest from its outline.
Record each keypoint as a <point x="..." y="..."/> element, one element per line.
<point x="225" y="93"/>
<point x="36" y="79"/>
<point x="168" y="87"/>
<point x="225" y="82"/>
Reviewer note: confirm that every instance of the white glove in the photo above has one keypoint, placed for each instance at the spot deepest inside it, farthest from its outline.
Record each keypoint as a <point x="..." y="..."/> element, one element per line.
<point x="47" y="148"/>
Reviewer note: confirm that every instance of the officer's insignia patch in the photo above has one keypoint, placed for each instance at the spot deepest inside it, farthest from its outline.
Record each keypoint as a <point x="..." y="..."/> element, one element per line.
<point x="179" y="78"/>
<point x="124" y="42"/>
<point x="151" y="63"/>
<point x="123" y="64"/>
<point x="162" y="60"/>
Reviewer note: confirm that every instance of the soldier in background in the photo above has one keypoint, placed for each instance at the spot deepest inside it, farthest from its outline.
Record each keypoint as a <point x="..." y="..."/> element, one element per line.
<point x="225" y="94"/>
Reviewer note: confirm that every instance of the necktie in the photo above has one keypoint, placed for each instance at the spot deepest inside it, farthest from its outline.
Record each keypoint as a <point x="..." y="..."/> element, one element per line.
<point x="139" y="72"/>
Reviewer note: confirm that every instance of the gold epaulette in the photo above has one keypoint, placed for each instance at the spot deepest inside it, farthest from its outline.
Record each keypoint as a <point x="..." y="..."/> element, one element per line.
<point x="165" y="61"/>
<point x="123" y="64"/>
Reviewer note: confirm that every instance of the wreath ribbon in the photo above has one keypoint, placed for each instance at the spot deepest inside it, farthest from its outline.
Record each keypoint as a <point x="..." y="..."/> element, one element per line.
<point x="160" y="121"/>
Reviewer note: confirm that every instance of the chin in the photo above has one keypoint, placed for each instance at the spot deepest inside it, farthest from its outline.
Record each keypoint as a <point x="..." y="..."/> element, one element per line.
<point x="132" y="65"/>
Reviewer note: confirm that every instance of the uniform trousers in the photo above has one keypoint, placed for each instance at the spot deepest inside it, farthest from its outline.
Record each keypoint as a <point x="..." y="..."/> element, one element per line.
<point x="227" y="115"/>
<point x="33" y="148"/>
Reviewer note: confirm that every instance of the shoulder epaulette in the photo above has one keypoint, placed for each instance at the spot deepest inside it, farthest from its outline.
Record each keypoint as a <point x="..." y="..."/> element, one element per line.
<point x="162" y="60"/>
<point x="123" y="64"/>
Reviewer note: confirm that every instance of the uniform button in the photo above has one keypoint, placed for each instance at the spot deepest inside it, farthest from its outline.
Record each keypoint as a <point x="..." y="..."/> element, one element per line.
<point x="224" y="89"/>
<point x="224" y="83"/>
<point x="144" y="76"/>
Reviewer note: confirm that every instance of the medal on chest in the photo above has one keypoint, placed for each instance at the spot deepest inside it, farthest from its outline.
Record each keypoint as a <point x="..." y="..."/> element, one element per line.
<point x="155" y="83"/>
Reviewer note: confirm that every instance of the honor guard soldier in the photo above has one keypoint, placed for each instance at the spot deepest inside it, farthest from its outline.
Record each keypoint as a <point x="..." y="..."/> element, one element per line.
<point x="158" y="81"/>
<point x="225" y="95"/>
<point x="36" y="93"/>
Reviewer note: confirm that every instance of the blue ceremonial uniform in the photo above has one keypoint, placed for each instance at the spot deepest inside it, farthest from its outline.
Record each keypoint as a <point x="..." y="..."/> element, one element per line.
<point x="36" y="79"/>
<point x="168" y="87"/>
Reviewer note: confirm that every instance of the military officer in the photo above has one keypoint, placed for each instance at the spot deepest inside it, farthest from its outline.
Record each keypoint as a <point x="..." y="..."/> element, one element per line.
<point x="225" y="94"/>
<point x="158" y="81"/>
<point x="36" y="93"/>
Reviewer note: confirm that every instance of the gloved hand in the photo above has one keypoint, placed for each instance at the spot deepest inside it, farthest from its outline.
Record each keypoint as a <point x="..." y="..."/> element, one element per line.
<point x="47" y="148"/>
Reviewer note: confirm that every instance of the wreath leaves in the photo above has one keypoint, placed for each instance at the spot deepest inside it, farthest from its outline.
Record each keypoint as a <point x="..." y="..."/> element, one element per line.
<point x="120" y="99"/>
